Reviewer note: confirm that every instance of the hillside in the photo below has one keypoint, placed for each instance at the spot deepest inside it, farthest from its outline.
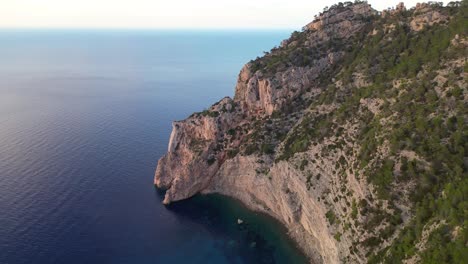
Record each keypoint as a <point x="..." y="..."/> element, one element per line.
<point x="352" y="133"/>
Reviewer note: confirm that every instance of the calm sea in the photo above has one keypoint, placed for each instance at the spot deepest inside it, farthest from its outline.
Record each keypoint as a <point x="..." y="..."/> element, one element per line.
<point x="84" y="117"/>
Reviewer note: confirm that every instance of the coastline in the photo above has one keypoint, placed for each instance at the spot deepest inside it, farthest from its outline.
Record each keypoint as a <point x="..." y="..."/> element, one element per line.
<point x="264" y="231"/>
<point x="302" y="140"/>
<point x="295" y="237"/>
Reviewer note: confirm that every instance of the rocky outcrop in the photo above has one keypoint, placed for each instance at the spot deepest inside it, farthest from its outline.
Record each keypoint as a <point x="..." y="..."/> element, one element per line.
<point x="191" y="160"/>
<point x="393" y="11"/>
<point x="341" y="17"/>
<point x="427" y="15"/>
<point x="265" y="93"/>
<point x="200" y="155"/>
<point x="262" y="95"/>
<point x="271" y="148"/>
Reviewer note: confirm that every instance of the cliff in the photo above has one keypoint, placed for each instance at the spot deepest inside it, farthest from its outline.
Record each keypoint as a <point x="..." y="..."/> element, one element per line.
<point x="343" y="133"/>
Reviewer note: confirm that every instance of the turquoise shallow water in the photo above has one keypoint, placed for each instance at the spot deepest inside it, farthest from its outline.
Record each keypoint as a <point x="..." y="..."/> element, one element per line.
<point x="84" y="117"/>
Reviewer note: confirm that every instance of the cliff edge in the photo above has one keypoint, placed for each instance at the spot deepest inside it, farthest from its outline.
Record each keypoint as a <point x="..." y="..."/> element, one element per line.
<point x="329" y="132"/>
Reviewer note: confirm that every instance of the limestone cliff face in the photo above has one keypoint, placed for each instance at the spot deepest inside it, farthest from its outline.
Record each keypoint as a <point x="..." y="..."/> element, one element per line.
<point x="262" y="93"/>
<point x="269" y="148"/>
<point x="192" y="160"/>
<point x="197" y="158"/>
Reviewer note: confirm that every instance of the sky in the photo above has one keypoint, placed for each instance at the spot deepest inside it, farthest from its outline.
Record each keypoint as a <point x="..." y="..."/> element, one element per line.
<point x="168" y="14"/>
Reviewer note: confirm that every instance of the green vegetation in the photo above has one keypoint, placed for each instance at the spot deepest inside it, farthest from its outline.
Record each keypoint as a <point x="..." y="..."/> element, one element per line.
<point x="210" y="113"/>
<point x="354" y="210"/>
<point x="311" y="128"/>
<point x="337" y="236"/>
<point x="331" y="217"/>
<point x="418" y="120"/>
<point x="296" y="52"/>
<point x="211" y="160"/>
<point x="412" y="143"/>
<point x="267" y="149"/>
<point x="440" y="141"/>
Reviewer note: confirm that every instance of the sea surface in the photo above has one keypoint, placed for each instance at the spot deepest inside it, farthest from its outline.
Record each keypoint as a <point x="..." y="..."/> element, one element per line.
<point x="84" y="117"/>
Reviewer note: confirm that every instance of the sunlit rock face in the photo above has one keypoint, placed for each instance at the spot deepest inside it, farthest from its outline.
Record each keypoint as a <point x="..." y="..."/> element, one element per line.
<point x="248" y="147"/>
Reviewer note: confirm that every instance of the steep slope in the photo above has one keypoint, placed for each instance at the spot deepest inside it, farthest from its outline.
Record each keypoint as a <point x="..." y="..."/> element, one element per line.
<point x="352" y="133"/>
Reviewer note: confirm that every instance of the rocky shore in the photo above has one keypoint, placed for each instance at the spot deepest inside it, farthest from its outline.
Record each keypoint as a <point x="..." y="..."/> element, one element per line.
<point x="249" y="148"/>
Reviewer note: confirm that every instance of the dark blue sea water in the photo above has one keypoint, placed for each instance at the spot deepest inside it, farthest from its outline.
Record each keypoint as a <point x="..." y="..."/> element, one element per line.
<point x="84" y="117"/>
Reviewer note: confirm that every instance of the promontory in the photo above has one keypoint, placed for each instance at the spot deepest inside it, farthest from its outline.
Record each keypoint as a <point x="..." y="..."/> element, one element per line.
<point x="352" y="133"/>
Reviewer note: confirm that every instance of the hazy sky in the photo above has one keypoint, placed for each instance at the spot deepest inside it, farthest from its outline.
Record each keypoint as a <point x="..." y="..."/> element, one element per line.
<point x="166" y="14"/>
